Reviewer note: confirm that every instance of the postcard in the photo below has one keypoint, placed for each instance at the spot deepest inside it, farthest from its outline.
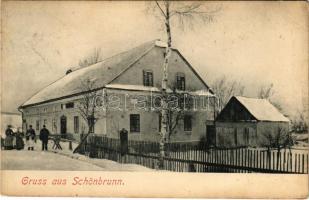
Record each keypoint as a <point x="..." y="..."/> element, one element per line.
<point x="185" y="99"/>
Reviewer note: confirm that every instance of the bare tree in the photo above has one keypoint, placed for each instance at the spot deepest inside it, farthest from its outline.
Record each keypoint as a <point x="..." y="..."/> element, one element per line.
<point x="176" y="113"/>
<point x="267" y="92"/>
<point x="279" y="140"/>
<point x="175" y="116"/>
<point x="184" y="12"/>
<point x="300" y="123"/>
<point x="225" y="89"/>
<point x="89" y="107"/>
<point x="91" y="59"/>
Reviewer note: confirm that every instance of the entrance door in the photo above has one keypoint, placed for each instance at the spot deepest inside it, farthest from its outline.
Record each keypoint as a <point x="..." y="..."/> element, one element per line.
<point x="124" y="142"/>
<point x="63" y="126"/>
<point x="211" y="134"/>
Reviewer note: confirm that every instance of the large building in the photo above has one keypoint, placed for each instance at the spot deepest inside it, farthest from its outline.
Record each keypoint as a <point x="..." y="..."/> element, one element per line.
<point x="248" y="122"/>
<point x="130" y="82"/>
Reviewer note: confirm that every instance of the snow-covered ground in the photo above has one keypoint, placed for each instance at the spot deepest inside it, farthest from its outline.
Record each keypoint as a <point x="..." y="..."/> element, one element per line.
<point x="35" y="160"/>
<point x="60" y="160"/>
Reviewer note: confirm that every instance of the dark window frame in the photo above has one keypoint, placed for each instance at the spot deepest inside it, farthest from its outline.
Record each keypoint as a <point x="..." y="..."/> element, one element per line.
<point x="180" y="81"/>
<point x="160" y="121"/>
<point x="91" y="124"/>
<point x="37" y="125"/>
<point x="69" y="105"/>
<point x="135" y="123"/>
<point x="76" y="124"/>
<point x="148" y="78"/>
<point x="54" y="125"/>
<point x="187" y="123"/>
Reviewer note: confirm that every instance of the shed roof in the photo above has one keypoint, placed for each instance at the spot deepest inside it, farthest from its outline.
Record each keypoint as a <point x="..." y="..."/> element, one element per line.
<point x="103" y="73"/>
<point x="262" y="109"/>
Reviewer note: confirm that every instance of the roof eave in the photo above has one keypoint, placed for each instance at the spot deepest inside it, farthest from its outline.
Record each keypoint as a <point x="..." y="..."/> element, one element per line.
<point x="58" y="98"/>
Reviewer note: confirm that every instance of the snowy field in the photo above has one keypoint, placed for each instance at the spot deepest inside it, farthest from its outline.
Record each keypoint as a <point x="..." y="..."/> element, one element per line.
<point x="60" y="160"/>
<point x="35" y="160"/>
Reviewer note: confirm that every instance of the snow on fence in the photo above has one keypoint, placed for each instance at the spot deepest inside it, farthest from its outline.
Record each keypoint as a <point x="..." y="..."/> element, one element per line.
<point x="184" y="157"/>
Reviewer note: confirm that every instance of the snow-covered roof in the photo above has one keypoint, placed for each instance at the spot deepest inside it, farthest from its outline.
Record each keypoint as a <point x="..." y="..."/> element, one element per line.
<point x="202" y="93"/>
<point x="103" y="73"/>
<point x="262" y="109"/>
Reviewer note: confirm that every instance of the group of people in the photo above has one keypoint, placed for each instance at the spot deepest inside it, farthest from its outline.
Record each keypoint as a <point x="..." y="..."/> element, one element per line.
<point x="14" y="140"/>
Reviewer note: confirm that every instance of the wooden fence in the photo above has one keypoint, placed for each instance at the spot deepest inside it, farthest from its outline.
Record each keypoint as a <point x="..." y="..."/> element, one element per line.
<point x="186" y="157"/>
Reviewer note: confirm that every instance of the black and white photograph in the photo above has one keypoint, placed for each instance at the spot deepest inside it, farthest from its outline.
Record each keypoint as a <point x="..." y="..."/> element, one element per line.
<point x="199" y="87"/>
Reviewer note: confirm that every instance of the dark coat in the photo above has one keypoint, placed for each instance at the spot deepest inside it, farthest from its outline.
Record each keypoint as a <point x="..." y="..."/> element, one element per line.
<point x="124" y="141"/>
<point x="19" y="141"/>
<point x="30" y="134"/>
<point x="8" y="142"/>
<point x="8" y="132"/>
<point x="44" y="133"/>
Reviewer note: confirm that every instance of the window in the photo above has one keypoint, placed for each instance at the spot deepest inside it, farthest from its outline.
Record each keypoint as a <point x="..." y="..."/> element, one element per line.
<point x="187" y="123"/>
<point x="160" y="120"/>
<point x="54" y="125"/>
<point x="76" y="124"/>
<point x="37" y="124"/>
<point x="91" y="124"/>
<point x="134" y="123"/>
<point x="180" y="81"/>
<point x="69" y="105"/>
<point x="148" y="78"/>
<point x="45" y="122"/>
<point x="45" y="110"/>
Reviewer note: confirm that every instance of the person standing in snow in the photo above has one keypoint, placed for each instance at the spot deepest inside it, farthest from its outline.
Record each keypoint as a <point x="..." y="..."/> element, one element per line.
<point x="19" y="139"/>
<point x="30" y="137"/>
<point x="44" y="133"/>
<point x="124" y="141"/>
<point x="8" y="141"/>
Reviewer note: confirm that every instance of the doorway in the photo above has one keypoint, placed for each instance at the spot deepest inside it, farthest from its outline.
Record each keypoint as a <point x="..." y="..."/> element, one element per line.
<point x="211" y="135"/>
<point x="63" y="126"/>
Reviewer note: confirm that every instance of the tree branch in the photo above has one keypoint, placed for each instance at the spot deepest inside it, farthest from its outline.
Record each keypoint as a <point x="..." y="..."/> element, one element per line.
<point x="160" y="8"/>
<point x="193" y="9"/>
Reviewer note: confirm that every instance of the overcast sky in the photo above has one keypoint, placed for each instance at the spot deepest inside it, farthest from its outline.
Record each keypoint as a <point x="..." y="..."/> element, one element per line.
<point x="257" y="43"/>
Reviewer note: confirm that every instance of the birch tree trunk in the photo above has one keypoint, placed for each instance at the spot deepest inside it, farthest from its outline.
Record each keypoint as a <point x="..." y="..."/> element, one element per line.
<point x="164" y="103"/>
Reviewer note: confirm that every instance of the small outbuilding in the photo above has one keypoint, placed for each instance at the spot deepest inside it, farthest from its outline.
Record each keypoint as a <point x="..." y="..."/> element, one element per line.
<point x="248" y="122"/>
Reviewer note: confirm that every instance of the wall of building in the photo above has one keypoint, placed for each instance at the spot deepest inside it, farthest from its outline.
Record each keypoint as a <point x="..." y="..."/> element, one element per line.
<point x="149" y="126"/>
<point x="226" y="133"/>
<point x="50" y="112"/>
<point x="134" y="102"/>
<point x="116" y="119"/>
<point x="153" y="61"/>
<point x="270" y="128"/>
<point x="117" y="116"/>
<point x="234" y="111"/>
